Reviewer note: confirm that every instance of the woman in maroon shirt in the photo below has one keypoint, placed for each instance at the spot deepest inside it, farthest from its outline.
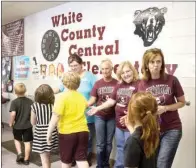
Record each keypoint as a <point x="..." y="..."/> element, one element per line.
<point x="104" y="119"/>
<point x="170" y="97"/>
<point x="127" y="76"/>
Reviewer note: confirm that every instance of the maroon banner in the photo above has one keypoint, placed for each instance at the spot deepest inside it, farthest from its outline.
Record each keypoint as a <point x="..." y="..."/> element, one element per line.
<point x="13" y="38"/>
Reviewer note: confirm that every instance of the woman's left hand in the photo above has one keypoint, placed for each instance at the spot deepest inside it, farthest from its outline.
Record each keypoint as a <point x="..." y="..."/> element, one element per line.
<point x="161" y="110"/>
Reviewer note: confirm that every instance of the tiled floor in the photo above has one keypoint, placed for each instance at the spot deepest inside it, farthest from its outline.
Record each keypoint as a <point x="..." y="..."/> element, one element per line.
<point x="8" y="159"/>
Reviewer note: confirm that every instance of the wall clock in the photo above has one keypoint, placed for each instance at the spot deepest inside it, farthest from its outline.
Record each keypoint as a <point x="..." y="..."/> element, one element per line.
<point x="50" y="45"/>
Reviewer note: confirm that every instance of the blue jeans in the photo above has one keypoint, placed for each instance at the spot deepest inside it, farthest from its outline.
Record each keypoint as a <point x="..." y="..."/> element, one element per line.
<point x="169" y="142"/>
<point x="91" y="127"/>
<point x="104" y="135"/>
<point x="121" y="137"/>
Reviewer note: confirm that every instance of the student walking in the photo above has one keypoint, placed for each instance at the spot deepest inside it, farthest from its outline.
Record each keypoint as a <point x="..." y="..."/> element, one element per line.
<point x="20" y="111"/>
<point x="41" y="113"/>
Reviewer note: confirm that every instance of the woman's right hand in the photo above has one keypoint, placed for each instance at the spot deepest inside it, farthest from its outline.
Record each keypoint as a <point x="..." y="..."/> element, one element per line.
<point x="93" y="110"/>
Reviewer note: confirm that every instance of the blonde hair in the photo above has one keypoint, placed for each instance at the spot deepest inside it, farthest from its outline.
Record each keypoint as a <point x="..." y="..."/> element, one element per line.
<point x="120" y="70"/>
<point x="108" y="61"/>
<point x="148" y="56"/>
<point x="143" y="108"/>
<point x="20" y="89"/>
<point x="71" y="80"/>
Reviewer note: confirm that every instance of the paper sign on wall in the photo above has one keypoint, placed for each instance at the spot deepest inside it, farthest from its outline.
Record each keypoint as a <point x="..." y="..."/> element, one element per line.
<point x="21" y="67"/>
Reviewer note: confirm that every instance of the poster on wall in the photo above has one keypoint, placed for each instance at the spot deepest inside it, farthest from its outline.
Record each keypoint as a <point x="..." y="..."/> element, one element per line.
<point x="6" y="70"/>
<point x="13" y="38"/>
<point x="35" y="68"/>
<point x="21" y="67"/>
<point x="45" y="70"/>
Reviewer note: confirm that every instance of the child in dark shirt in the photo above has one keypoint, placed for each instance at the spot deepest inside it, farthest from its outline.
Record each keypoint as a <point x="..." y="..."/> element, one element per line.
<point x="140" y="147"/>
<point x="20" y="111"/>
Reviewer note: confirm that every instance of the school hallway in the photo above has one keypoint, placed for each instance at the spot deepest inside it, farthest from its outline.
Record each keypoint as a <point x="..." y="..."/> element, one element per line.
<point x="8" y="159"/>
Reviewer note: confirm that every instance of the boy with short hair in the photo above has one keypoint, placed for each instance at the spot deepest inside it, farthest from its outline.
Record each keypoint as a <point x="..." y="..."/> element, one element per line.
<point x="20" y="111"/>
<point x="69" y="114"/>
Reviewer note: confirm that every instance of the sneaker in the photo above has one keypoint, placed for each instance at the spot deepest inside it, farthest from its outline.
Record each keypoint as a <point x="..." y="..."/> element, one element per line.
<point x="89" y="159"/>
<point x="73" y="163"/>
<point x="19" y="158"/>
<point x="89" y="163"/>
<point x="26" y="162"/>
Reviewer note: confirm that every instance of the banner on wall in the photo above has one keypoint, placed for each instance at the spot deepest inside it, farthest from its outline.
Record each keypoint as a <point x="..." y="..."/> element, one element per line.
<point x="13" y="38"/>
<point x="6" y="70"/>
<point x="21" y="67"/>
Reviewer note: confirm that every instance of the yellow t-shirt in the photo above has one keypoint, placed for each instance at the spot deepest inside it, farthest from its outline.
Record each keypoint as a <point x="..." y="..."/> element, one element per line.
<point x="71" y="107"/>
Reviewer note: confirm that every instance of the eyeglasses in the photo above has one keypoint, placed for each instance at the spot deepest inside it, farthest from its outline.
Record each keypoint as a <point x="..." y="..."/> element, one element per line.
<point x="74" y="66"/>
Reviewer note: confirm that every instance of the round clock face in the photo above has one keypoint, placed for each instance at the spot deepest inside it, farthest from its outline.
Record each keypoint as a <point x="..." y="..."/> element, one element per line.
<point x="50" y="45"/>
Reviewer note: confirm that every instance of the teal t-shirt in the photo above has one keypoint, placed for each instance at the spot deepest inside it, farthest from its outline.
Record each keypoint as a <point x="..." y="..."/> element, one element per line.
<point x="86" y="84"/>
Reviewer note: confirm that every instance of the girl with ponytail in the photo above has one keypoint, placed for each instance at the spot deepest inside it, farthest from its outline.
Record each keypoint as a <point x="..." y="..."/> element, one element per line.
<point x="141" y="121"/>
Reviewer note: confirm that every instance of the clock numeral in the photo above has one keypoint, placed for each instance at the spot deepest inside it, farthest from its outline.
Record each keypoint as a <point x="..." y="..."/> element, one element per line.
<point x="52" y="55"/>
<point x="44" y="51"/>
<point x="49" y="57"/>
<point x="55" y="51"/>
<point x="43" y="45"/>
<point x="46" y="54"/>
<point x="50" y="33"/>
<point x="55" y="39"/>
<point x="44" y="40"/>
<point x="46" y="35"/>
<point x="56" y="44"/>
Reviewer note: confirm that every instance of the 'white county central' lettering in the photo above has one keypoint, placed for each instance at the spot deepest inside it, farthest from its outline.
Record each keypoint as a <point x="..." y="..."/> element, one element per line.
<point x="105" y="90"/>
<point x="159" y="89"/>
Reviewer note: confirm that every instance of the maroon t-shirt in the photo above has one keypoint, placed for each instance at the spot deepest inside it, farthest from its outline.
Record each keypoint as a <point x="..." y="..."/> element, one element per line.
<point x="122" y="94"/>
<point x="165" y="92"/>
<point x="102" y="91"/>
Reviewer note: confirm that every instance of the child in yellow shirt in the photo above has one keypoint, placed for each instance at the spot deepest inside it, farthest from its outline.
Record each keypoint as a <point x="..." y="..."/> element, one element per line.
<point x="69" y="115"/>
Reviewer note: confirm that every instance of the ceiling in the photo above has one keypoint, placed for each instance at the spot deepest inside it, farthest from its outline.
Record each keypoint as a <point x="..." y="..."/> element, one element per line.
<point x="13" y="10"/>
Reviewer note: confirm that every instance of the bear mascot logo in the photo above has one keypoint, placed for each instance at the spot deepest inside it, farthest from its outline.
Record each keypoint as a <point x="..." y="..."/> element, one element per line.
<point x="149" y="24"/>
